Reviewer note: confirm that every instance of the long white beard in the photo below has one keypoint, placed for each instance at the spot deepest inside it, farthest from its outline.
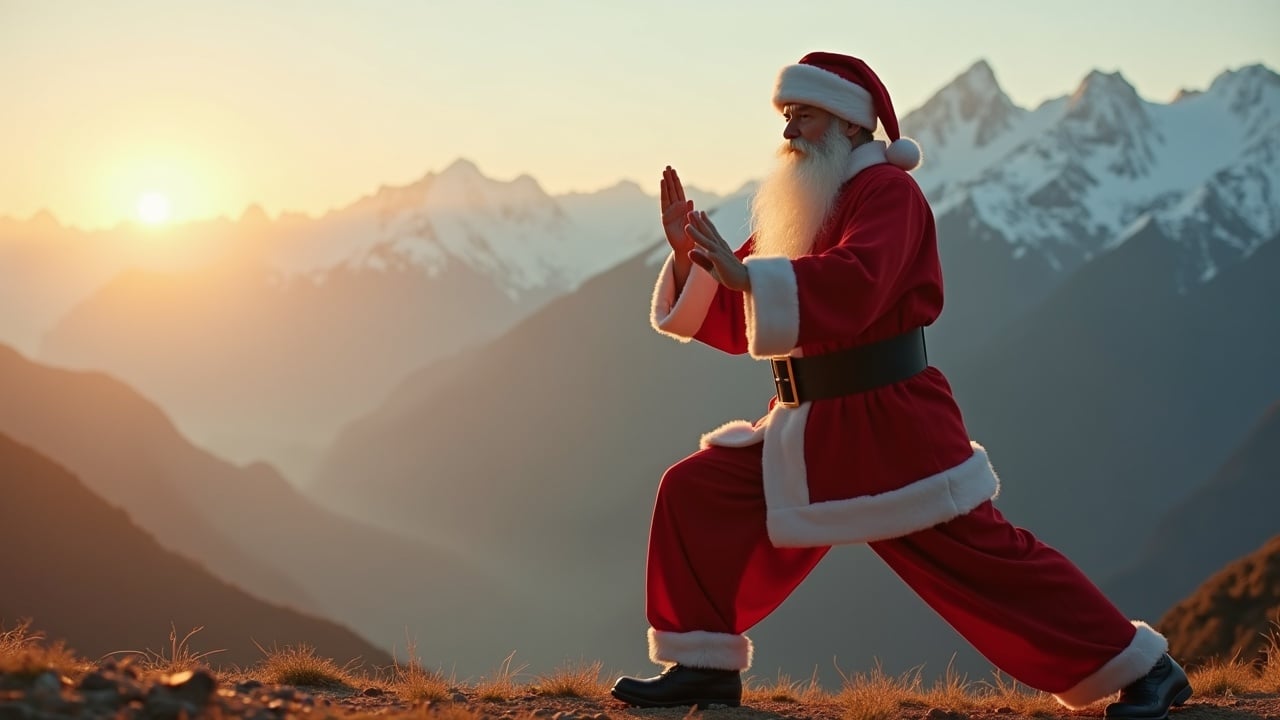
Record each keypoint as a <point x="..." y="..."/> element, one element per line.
<point x="794" y="200"/>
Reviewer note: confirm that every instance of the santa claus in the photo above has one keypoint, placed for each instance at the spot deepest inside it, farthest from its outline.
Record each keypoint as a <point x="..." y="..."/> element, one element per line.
<point x="863" y="441"/>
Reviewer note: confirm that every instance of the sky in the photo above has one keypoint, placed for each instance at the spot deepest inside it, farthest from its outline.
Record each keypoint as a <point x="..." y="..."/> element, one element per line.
<point x="191" y="110"/>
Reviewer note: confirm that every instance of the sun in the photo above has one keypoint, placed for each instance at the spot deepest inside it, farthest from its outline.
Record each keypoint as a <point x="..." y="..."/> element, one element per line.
<point x="153" y="208"/>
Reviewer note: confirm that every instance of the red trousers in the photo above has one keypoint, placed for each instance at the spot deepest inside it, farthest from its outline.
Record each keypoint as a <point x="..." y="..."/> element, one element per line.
<point x="1022" y="604"/>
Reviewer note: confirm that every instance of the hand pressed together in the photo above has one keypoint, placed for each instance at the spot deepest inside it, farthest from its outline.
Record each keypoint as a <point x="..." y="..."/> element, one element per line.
<point x="714" y="255"/>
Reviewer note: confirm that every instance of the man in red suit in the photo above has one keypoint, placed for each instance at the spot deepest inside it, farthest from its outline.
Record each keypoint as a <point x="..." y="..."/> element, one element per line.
<point x="863" y="441"/>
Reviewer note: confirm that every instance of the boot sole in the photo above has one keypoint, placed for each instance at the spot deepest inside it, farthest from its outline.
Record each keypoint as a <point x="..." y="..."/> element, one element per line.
<point x="1178" y="701"/>
<point x="700" y="703"/>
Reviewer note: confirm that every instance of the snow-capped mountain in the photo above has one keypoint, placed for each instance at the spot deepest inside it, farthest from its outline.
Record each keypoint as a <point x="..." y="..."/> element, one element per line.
<point x="511" y="232"/>
<point x="1079" y="174"/>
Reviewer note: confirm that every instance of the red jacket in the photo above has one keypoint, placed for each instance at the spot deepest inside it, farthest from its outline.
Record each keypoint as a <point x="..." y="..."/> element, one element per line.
<point x="862" y="467"/>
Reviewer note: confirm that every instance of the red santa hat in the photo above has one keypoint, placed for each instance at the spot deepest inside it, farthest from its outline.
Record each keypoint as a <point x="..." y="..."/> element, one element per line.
<point x="847" y="88"/>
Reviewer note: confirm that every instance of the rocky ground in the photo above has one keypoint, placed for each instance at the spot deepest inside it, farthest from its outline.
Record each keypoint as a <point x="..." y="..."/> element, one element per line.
<point x="120" y="690"/>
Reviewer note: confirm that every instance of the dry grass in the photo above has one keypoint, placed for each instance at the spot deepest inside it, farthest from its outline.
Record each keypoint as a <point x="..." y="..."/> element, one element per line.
<point x="25" y="655"/>
<point x="299" y="665"/>
<point x="875" y="695"/>
<point x="1002" y="692"/>
<point x="783" y="689"/>
<point x="578" y="680"/>
<point x="501" y="684"/>
<point x="179" y="657"/>
<point x="412" y="681"/>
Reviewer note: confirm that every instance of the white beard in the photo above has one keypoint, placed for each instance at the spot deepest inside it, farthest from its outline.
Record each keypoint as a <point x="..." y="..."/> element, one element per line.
<point x="793" y="201"/>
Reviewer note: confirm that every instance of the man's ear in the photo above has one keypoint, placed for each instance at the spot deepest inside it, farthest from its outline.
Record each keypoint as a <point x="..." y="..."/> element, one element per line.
<point x="851" y="130"/>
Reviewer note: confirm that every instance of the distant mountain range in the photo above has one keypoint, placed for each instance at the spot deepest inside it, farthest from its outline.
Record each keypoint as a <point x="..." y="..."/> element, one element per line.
<point x="83" y="572"/>
<point x="247" y="526"/>
<point x="272" y="334"/>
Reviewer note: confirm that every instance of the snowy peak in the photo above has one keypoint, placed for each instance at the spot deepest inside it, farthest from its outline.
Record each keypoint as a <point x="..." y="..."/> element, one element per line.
<point x="966" y="126"/>
<point x="1105" y="113"/>
<point x="1251" y="94"/>
<point x="971" y="109"/>
<point x="1092" y="169"/>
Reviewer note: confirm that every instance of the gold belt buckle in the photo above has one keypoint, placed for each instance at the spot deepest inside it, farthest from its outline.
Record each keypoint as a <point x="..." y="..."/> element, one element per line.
<point x="784" y="381"/>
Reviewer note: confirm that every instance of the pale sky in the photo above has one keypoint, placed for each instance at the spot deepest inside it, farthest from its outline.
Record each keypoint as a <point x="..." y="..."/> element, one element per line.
<point x="306" y="106"/>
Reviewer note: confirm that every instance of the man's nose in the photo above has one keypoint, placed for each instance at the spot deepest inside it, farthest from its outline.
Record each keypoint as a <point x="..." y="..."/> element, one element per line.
<point x="791" y="132"/>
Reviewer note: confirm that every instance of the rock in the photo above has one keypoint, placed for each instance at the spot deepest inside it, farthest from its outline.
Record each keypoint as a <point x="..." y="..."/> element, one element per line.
<point x="458" y="697"/>
<point x="562" y="715"/>
<point x="194" y="688"/>
<point x="940" y="714"/>
<point x="373" y="692"/>
<point x="248" y="686"/>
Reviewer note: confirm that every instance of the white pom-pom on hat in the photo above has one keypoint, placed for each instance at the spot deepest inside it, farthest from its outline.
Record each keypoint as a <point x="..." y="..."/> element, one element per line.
<point x="904" y="153"/>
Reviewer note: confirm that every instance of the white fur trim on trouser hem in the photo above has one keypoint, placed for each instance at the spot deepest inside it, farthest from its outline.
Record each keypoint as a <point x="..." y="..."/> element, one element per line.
<point x="700" y="649"/>
<point x="772" y="307"/>
<point x="795" y="522"/>
<point x="681" y="317"/>
<point x="1132" y="663"/>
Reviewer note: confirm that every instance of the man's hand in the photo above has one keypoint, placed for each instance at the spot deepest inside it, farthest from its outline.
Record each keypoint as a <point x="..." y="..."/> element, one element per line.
<point x="713" y="254"/>
<point x="675" y="211"/>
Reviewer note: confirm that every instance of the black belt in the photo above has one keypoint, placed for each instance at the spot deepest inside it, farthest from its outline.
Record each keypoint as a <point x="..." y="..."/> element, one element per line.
<point x="845" y="372"/>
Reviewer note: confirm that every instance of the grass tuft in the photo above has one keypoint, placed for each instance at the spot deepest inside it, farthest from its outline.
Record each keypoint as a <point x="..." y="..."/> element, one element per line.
<point x="501" y="684"/>
<point x="24" y="654"/>
<point x="179" y="657"/>
<point x="580" y="680"/>
<point x="1002" y="692"/>
<point x="784" y="690"/>
<point x="300" y="666"/>
<point x="414" y="682"/>
<point x="875" y="695"/>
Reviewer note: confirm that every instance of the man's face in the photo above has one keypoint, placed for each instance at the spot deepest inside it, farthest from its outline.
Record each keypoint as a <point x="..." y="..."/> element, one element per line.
<point x="806" y="122"/>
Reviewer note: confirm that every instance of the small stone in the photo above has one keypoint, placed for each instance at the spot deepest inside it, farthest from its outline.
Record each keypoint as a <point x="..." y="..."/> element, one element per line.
<point x="940" y="714"/>
<point x="373" y="692"/>
<point x="248" y="686"/>
<point x="458" y="697"/>
<point x="1004" y="710"/>
<point x="194" y="688"/>
<point x="541" y="713"/>
<point x="599" y="716"/>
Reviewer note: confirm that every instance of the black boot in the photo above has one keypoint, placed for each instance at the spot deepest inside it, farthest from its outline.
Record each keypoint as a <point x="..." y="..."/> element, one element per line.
<point x="682" y="685"/>
<point x="1150" y="697"/>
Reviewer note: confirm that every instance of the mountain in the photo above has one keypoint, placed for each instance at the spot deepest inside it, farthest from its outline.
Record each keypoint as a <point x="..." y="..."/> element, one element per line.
<point x="265" y="350"/>
<point x="251" y="528"/>
<point x="1190" y="544"/>
<point x="1231" y="615"/>
<point x="1025" y="197"/>
<point x="85" y="573"/>
<point x="1114" y="399"/>
<point x="1104" y="396"/>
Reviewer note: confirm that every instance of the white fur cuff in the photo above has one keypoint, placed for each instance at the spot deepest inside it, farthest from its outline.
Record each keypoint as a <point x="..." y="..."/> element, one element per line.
<point x="772" y="307"/>
<point x="1132" y="663"/>
<point x="681" y="317"/>
<point x="700" y="649"/>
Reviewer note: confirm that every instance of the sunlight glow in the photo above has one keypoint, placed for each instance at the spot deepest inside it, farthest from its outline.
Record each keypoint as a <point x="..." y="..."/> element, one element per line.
<point x="153" y="208"/>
